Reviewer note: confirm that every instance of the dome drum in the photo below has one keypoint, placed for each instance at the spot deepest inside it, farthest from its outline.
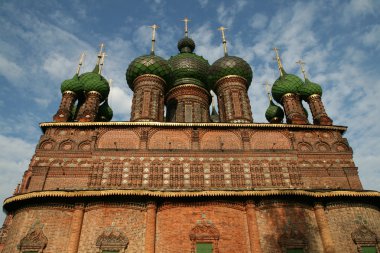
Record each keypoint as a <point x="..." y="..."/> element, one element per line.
<point x="148" y="98"/>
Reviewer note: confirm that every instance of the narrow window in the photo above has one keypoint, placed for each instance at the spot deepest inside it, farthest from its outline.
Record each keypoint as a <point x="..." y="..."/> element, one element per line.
<point x="204" y="247"/>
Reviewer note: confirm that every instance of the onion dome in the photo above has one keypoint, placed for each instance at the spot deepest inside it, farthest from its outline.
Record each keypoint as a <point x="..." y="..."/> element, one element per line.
<point x="230" y="65"/>
<point x="92" y="81"/>
<point x="105" y="112"/>
<point x="73" y="85"/>
<point x="286" y="83"/>
<point x="188" y="67"/>
<point x="274" y="113"/>
<point x="148" y="64"/>
<point x="309" y="89"/>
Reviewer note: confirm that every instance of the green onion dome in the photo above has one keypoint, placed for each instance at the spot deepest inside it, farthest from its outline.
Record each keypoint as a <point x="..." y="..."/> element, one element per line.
<point x="309" y="89"/>
<point x="229" y="65"/>
<point x="188" y="67"/>
<point x="92" y="81"/>
<point x="274" y="112"/>
<point x="73" y="85"/>
<point x="148" y="64"/>
<point x="105" y="112"/>
<point x="287" y="83"/>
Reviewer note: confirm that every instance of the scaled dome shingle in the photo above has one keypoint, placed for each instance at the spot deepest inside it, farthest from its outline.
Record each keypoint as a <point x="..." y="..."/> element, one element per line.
<point x="287" y="83"/>
<point x="309" y="89"/>
<point x="230" y="65"/>
<point x="148" y="64"/>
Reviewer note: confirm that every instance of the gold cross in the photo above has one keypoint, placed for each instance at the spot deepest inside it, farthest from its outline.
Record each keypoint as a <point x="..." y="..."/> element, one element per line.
<point x="186" y="20"/>
<point x="302" y="64"/>
<point x="110" y="82"/>
<point x="223" y="39"/>
<point x="154" y="28"/>
<point x="80" y="62"/>
<point x="268" y="90"/>
<point x="102" y="57"/>
<point x="100" y="53"/>
<point x="278" y="60"/>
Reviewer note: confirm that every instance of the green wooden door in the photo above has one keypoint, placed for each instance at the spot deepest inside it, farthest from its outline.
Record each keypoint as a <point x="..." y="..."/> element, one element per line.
<point x="294" y="251"/>
<point x="204" y="247"/>
<point x="369" y="249"/>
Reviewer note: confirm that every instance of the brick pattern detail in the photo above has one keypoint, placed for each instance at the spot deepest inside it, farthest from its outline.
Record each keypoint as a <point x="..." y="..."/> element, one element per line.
<point x="64" y="111"/>
<point x="233" y="100"/>
<point x="318" y="111"/>
<point x="91" y="107"/>
<point x="293" y="109"/>
<point x="148" y="99"/>
<point x="188" y="103"/>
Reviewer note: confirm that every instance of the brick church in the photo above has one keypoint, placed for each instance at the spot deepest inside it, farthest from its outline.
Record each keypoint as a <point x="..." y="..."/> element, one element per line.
<point x="189" y="175"/>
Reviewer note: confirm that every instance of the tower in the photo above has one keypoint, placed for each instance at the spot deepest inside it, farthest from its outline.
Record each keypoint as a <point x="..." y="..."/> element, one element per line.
<point x="190" y="182"/>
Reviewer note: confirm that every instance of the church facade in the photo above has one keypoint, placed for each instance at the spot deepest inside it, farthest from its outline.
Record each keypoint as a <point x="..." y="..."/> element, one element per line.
<point x="179" y="177"/>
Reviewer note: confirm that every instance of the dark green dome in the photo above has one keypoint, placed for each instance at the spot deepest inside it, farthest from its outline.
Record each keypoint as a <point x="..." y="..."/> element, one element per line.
<point x="273" y="112"/>
<point x="189" y="68"/>
<point x="309" y="89"/>
<point x="95" y="82"/>
<point x="148" y="64"/>
<point x="73" y="85"/>
<point x="186" y="45"/>
<point x="229" y="65"/>
<point x="287" y="83"/>
<point x="105" y="112"/>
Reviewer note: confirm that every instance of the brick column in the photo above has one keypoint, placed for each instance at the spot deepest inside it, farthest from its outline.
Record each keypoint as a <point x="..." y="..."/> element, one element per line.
<point x="76" y="228"/>
<point x="293" y="109"/>
<point x="253" y="229"/>
<point x="233" y="101"/>
<point x="150" y="233"/>
<point x="317" y="109"/>
<point x="324" y="229"/>
<point x="64" y="112"/>
<point x="91" y="107"/>
<point x="148" y="98"/>
<point x="188" y="103"/>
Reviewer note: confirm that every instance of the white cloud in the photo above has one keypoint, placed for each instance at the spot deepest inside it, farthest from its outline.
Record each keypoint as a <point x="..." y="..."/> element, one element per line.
<point x="10" y="70"/>
<point x="203" y="3"/>
<point x="58" y="66"/>
<point x="259" y="21"/>
<point x="15" y="155"/>
<point x="372" y="37"/>
<point x="227" y="14"/>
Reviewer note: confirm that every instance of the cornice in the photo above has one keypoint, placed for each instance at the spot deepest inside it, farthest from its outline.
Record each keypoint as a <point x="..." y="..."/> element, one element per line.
<point x="318" y="195"/>
<point x="45" y="125"/>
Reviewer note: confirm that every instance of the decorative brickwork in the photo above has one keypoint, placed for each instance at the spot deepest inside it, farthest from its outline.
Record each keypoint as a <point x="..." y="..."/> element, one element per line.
<point x="148" y="98"/>
<point x="233" y="100"/>
<point x="294" y="111"/>
<point x="64" y="112"/>
<point x="188" y="103"/>
<point x="90" y="107"/>
<point x="317" y="109"/>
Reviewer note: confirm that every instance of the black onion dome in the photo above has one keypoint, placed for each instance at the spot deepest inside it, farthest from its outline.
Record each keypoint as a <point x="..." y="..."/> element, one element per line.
<point x="229" y="65"/>
<point x="186" y="45"/>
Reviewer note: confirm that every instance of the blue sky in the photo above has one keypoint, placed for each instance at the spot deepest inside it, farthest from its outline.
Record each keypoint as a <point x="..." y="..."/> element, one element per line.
<point x="41" y="42"/>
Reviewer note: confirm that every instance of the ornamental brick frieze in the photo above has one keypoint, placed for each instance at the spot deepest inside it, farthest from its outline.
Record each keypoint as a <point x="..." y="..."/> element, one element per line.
<point x="237" y="205"/>
<point x="331" y="205"/>
<point x="35" y="240"/>
<point x="265" y="204"/>
<point x="141" y="206"/>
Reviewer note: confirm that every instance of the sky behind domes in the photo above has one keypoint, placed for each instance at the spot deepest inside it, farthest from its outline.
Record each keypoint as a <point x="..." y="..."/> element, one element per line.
<point x="41" y="42"/>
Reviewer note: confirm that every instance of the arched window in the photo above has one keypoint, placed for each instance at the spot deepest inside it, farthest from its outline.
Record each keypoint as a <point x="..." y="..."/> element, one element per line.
<point x="204" y="237"/>
<point x="112" y="241"/>
<point x="293" y="241"/>
<point x="35" y="241"/>
<point x="365" y="240"/>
